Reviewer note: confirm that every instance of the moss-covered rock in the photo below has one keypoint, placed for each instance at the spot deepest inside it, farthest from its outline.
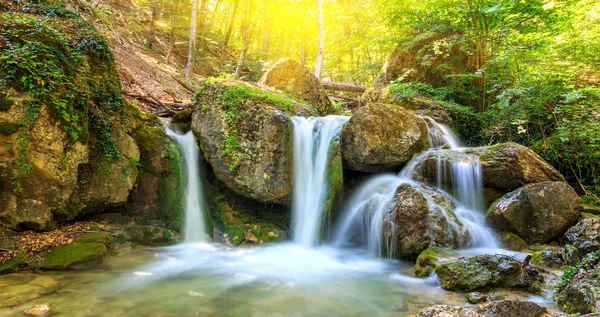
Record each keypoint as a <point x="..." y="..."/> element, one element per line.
<point x="536" y="212"/>
<point x="149" y="235"/>
<point x="73" y="256"/>
<point x="580" y="294"/>
<point x="432" y="222"/>
<point x="429" y="259"/>
<point x="245" y="134"/>
<point x="289" y="76"/>
<point x="105" y="238"/>
<point x="547" y="258"/>
<point x="380" y="136"/>
<point x="475" y="297"/>
<point x="335" y="180"/>
<point x="589" y="205"/>
<point x="511" y="241"/>
<point x="484" y="272"/>
<point x="20" y="261"/>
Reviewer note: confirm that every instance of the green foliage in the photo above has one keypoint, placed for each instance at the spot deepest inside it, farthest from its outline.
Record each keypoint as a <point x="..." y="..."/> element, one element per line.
<point x="589" y="262"/>
<point x="59" y="60"/>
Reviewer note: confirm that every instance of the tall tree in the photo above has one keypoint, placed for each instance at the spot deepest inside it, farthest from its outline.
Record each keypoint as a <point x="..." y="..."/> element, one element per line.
<point x="321" y="45"/>
<point x="245" y="37"/>
<point x="230" y="27"/>
<point x="192" y="47"/>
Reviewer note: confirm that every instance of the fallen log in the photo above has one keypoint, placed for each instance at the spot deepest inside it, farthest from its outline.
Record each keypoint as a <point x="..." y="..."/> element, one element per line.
<point x="350" y="87"/>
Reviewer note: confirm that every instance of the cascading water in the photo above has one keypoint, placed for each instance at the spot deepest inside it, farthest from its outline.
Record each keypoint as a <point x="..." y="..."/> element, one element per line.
<point x="364" y="215"/>
<point x="194" y="227"/>
<point x="314" y="139"/>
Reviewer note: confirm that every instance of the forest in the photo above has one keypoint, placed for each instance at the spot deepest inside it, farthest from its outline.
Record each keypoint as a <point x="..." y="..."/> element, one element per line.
<point x="427" y="158"/>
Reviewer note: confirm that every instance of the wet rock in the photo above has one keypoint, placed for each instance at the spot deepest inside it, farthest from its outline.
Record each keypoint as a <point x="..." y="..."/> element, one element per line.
<point x="485" y="271"/>
<point x="148" y="235"/>
<point x="18" y="289"/>
<point x="380" y="136"/>
<point x="571" y="255"/>
<point x="73" y="256"/>
<point x="476" y="297"/>
<point x="105" y="238"/>
<point x="432" y="222"/>
<point x="289" y="76"/>
<point x="246" y="135"/>
<point x="510" y="308"/>
<point x="589" y="205"/>
<point x="429" y="259"/>
<point x="547" y="258"/>
<point x="20" y="261"/>
<point x="536" y="212"/>
<point x="512" y="241"/>
<point x="585" y="235"/>
<point x="38" y="310"/>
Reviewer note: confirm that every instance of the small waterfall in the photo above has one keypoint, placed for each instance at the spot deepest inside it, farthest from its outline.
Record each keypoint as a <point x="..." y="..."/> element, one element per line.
<point x="313" y="141"/>
<point x="194" y="227"/>
<point x="362" y="219"/>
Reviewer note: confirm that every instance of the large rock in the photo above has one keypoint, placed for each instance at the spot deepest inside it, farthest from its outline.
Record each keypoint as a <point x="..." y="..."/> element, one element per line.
<point x="289" y="76"/>
<point x="504" y="308"/>
<point x="581" y="293"/>
<point x="419" y="218"/>
<point x="448" y="311"/>
<point x="485" y="271"/>
<point x="508" y="166"/>
<point x="585" y="235"/>
<point x="536" y="212"/>
<point x="246" y="135"/>
<point x="380" y="136"/>
<point x="426" y="58"/>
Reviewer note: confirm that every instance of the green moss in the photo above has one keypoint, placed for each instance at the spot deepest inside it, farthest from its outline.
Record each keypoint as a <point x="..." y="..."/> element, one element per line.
<point x="546" y="258"/>
<point x="8" y="128"/>
<point x="149" y="235"/>
<point x="512" y="241"/>
<point x="171" y="190"/>
<point x="428" y="260"/>
<point x="97" y="237"/>
<point x="20" y="261"/>
<point x="76" y="254"/>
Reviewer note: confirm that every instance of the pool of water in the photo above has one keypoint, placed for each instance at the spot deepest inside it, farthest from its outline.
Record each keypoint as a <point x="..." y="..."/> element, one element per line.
<point x="212" y="280"/>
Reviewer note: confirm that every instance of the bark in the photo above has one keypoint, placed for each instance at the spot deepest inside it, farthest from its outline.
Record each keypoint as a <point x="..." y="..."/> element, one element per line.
<point x="245" y="39"/>
<point x="192" y="47"/>
<point x="349" y="87"/>
<point x="230" y="28"/>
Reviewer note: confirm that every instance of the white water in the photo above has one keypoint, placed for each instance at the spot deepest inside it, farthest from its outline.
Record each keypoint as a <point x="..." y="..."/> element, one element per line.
<point x="314" y="139"/>
<point x="362" y="219"/>
<point x="194" y="227"/>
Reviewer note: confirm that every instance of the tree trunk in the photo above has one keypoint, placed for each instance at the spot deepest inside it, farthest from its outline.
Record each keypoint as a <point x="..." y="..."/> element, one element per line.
<point x="321" y="46"/>
<point x="350" y="87"/>
<point x="245" y="38"/>
<point x="192" y="47"/>
<point x="154" y="14"/>
<point x="230" y="28"/>
<point x="172" y="32"/>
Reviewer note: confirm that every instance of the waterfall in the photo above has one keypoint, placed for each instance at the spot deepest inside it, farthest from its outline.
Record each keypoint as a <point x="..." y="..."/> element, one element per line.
<point x="362" y="218"/>
<point x="194" y="227"/>
<point x="313" y="141"/>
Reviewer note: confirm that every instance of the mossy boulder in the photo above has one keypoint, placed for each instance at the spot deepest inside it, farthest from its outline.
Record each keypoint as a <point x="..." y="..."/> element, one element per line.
<point x="589" y="205"/>
<point x="289" y="76"/>
<point x="547" y="258"/>
<point x="103" y="237"/>
<point x="508" y="166"/>
<point x="448" y="311"/>
<point x="74" y="255"/>
<point x="20" y="261"/>
<point x="421" y="217"/>
<point x="512" y="241"/>
<point x="246" y="135"/>
<point x="585" y="235"/>
<point x="335" y="181"/>
<point x="381" y="136"/>
<point x="508" y="308"/>
<point x="581" y="293"/>
<point x="484" y="272"/>
<point x="537" y="212"/>
<point x="149" y="235"/>
<point x="239" y="220"/>
<point x="436" y="168"/>
<point x="429" y="259"/>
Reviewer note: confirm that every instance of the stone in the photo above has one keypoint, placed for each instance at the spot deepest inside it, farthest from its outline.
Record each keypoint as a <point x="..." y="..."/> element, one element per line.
<point x="484" y="272"/>
<point x="537" y="212"/>
<point x="510" y="308"/>
<point x="38" y="310"/>
<point x="431" y="224"/>
<point x="380" y="136"/>
<point x="475" y="297"/>
<point x="148" y="235"/>
<point x="547" y="258"/>
<point x="511" y="241"/>
<point x="289" y="76"/>
<point x="581" y="293"/>
<point x="74" y="255"/>
<point x="585" y="235"/>
<point x="429" y="259"/>
<point x="246" y="135"/>
<point x="448" y="311"/>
